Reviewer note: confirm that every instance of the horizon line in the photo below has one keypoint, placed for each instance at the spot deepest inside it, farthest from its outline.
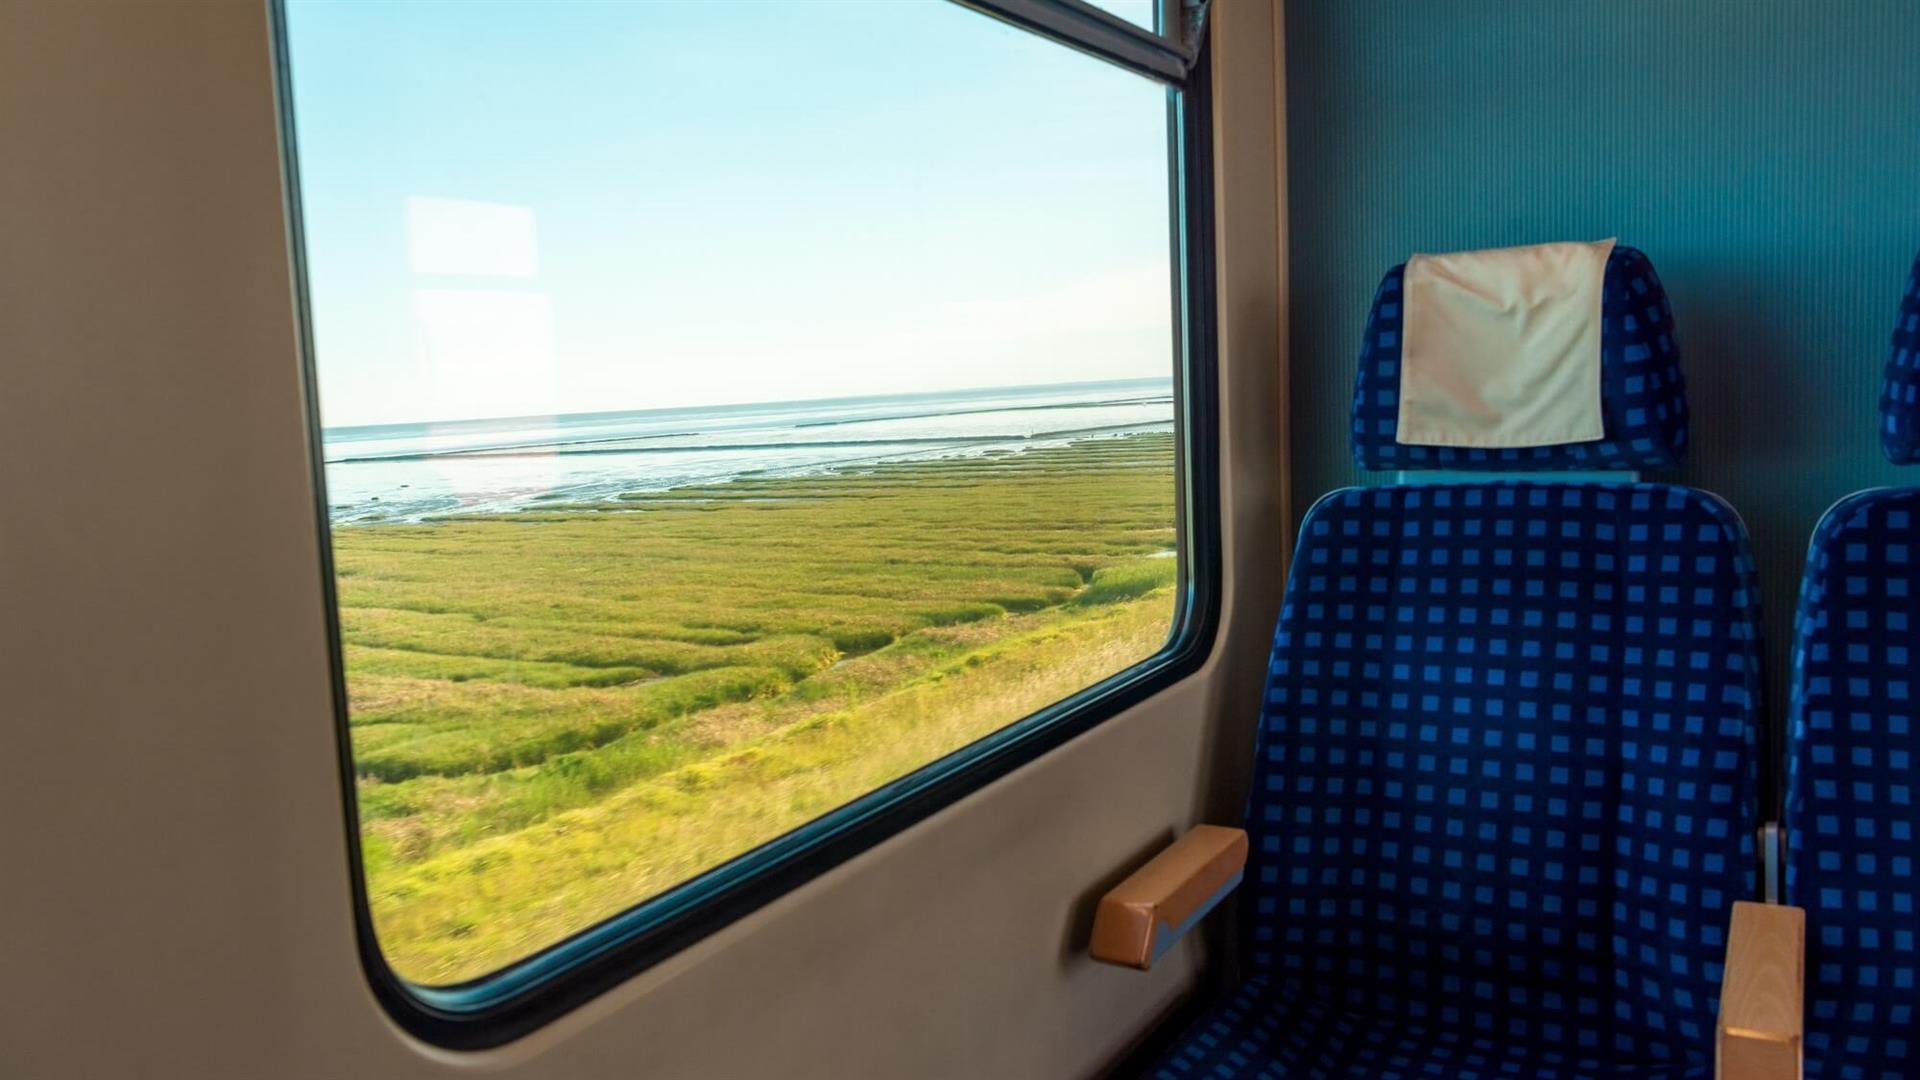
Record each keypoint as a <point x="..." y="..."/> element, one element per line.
<point x="326" y="429"/>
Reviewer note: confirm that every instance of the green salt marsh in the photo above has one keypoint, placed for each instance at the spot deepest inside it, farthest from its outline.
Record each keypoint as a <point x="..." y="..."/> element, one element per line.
<point x="558" y="713"/>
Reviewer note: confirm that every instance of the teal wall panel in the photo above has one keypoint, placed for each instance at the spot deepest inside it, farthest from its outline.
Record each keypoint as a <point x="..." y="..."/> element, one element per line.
<point x="1765" y="154"/>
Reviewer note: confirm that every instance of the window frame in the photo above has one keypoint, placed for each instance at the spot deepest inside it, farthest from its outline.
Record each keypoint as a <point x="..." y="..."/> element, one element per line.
<point x="524" y="996"/>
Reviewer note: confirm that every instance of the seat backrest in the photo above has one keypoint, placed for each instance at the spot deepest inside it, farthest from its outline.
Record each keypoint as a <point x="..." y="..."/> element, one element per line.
<point x="1900" y="390"/>
<point x="1851" y="811"/>
<point x="1505" y="777"/>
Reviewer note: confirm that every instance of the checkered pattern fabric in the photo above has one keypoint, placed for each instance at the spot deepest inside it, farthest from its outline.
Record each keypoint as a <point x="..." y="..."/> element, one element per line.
<point x="1643" y="403"/>
<point x="1505" y="788"/>
<point x="1851" y="816"/>
<point x="1900" y="394"/>
<point x="1274" y="1031"/>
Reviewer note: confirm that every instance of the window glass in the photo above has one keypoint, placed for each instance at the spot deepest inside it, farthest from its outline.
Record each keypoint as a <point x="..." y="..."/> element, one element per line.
<point x="1137" y="12"/>
<point x="719" y="422"/>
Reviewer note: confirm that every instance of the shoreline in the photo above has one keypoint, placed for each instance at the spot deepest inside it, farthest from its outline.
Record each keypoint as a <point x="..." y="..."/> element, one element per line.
<point x="610" y="492"/>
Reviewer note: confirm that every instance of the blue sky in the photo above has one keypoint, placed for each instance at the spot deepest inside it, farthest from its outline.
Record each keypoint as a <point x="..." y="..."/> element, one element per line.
<point x="515" y="208"/>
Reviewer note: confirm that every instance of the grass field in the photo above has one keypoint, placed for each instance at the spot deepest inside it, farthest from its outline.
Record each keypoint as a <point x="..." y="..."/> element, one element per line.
<point x="558" y="714"/>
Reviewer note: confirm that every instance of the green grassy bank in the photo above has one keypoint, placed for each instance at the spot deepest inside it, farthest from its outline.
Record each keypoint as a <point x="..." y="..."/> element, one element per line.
<point x="557" y="714"/>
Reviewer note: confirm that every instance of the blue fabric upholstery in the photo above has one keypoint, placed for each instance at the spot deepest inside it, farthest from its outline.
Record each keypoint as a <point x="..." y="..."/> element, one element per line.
<point x="1504" y="788"/>
<point x="1900" y="396"/>
<point x="1643" y="397"/>
<point x="1272" y="1029"/>
<point x="1851" y="815"/>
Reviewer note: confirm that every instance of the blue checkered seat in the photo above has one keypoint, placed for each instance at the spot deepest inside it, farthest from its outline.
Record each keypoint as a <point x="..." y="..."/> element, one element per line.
<point x="1504" y="791"/>
<point x="1851" y="815"/>
<point x="1643" y="398"/>
<point x="1900" y="393"/>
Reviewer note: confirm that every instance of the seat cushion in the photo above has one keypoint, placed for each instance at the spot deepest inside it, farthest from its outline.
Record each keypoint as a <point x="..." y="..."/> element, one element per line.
<point x="1272" y="1030"/>
<point x="1505" y="781"/>
<point x="1853" y="797"/>
<point x="1643" y="398"/>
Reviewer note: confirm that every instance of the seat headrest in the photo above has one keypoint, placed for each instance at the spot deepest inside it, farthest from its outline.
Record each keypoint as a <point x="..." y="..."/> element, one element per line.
<point x="1900" y="393"/>
<point x="1643" y="397"/>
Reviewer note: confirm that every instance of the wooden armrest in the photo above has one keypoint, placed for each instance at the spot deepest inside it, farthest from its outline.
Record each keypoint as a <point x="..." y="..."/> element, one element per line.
<point x="1761" y="995"/>
<point x="1140" y="918"/>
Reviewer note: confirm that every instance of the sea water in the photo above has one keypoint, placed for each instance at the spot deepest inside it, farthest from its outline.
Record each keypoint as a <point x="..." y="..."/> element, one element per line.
<point x="411" y="472"/>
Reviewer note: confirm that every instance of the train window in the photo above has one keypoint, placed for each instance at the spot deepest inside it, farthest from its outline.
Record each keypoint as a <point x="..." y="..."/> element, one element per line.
<point x="736" y="420"/>
<point x="1138" y="12"/>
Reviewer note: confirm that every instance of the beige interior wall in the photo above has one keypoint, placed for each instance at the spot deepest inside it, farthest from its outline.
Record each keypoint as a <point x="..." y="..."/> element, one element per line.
<point x="175" y="880"/>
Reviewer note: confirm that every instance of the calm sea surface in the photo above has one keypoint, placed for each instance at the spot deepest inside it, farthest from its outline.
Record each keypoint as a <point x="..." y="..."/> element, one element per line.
<point x="407" y="472"/>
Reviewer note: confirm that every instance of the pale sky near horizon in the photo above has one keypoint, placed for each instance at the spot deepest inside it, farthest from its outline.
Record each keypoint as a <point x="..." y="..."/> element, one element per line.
<point x="521" y="207"/>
